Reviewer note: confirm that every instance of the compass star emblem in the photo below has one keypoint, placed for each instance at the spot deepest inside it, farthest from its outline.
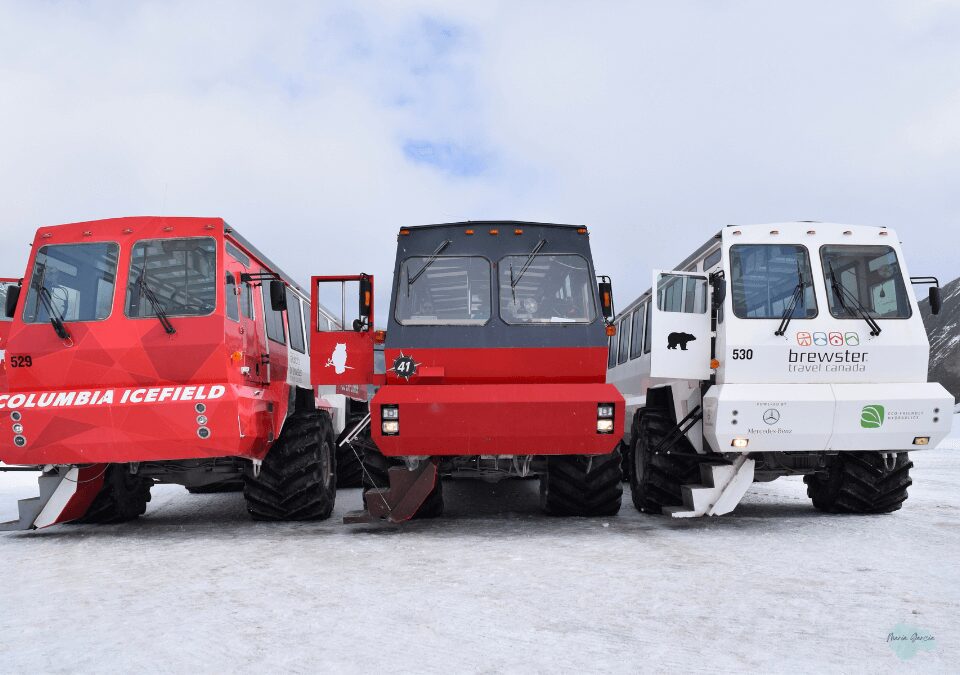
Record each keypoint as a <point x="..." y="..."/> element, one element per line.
<point x="771" y="416"/>
<point x="404" y="366"/>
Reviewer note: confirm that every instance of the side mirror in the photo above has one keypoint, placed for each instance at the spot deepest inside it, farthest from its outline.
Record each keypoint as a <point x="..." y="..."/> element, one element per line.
<point x="366" y="297"/>
<point x="278" y="295"/>
<point x="719" y="285"/>
<point x="606" y="297"/>
<point x="13" y="295"/>
<point x="936" y="300"/>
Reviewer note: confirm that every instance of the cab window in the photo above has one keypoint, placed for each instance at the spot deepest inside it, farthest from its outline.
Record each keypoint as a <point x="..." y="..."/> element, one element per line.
<point x="72" y="282"/>
<point x="273" y="319"/>
<point x="230" y="294"/>
<point x="179" y="273"/>
<point x="295" y="320"/>
<point x="867" y="277"/>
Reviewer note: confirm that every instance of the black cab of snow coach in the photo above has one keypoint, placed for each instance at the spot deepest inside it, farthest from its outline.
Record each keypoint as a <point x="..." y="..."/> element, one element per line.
<point x="505" y="301"/>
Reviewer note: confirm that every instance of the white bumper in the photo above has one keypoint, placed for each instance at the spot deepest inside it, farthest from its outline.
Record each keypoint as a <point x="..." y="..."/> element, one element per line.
<point x="814" y="417"/>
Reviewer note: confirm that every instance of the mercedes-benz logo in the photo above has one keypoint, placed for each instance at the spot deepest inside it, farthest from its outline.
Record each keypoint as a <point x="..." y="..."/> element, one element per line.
<point x="771" y="416"/>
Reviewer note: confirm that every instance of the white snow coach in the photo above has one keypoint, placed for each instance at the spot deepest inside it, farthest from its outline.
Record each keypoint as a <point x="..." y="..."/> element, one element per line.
<point x="773" y="350"/>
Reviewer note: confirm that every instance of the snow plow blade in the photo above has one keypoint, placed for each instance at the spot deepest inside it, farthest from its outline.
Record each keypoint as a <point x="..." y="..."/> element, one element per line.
<point x="65" y="494"/>
<point x="400" y="501"/>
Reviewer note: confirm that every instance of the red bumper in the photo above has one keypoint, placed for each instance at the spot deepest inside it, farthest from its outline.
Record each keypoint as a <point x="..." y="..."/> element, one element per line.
<point x="497" y="419"/>
<point x="135" y="424"/>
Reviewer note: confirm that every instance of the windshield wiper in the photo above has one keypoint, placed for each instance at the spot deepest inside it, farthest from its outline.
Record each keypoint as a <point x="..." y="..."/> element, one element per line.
<point x="840" y="291"/>
<point x="155" y="302"/>
<point x="787" y="316"/>
<point x="526" y="263"/>
<point x="56" y="320"/>
<point x="432" y="259"/>
<point x="44" y="297"/>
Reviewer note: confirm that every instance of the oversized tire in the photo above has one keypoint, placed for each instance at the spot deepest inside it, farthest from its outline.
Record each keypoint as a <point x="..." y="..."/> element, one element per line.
<point x="350" y="456"/>
<point x="297" y="478"/>
<point x="230" y="485"/>
<point x="582" y="485"/>
<point x="860" y="482"/>
<point x="377" y="466"/>
<point x="655" y="479"/>
<point x="123" y="497"/>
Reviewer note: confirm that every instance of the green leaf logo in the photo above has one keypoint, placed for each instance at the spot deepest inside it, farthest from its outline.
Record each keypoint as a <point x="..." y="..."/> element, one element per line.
<point x="871" y="417"/>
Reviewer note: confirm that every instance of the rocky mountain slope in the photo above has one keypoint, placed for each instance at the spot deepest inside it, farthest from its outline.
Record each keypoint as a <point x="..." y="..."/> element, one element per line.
<point x="944" y="334"/>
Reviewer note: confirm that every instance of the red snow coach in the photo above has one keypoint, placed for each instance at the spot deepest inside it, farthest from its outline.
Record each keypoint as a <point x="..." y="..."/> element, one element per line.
<point x="166" y="350"/>
<point x="495" y="367"/>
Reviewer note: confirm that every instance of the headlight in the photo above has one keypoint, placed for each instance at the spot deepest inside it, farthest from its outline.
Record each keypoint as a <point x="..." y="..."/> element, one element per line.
<point x="390" y="412"/>
<point x="390" y="427"/>
<point x="605" y="411"/>
<point x="739" y="442"/>
<point x="604" y="426"/>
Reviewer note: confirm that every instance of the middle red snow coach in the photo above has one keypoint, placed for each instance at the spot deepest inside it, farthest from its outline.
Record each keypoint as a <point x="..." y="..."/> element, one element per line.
<point x="495" y="367"/>
<point x="168" y="350"/>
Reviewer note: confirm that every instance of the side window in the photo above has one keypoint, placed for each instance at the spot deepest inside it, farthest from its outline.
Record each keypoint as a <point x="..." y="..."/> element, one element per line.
<point x="295" y="321"/>
<point x="611" y="351"/>
<point x="624" y="332"/>
<point x="246" y="300"/>
<point x="274" y="319"/>
<point x="636" y="333"/>
<point x="647" y="324"/>
<point x="712" y="259"/>
<point x="680" y="293"/>
<point x="230" y="293"/>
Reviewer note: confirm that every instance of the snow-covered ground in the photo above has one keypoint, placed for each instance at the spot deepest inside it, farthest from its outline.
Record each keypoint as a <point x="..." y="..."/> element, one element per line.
<point x="494" y="585"/>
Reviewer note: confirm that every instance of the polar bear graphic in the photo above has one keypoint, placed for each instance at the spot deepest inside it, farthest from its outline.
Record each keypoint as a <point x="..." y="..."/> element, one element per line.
<point x="338" y="359"/>
<point x="681" y="339"/>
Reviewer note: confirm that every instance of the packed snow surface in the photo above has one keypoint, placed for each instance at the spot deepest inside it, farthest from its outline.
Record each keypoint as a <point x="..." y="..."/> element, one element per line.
<point x="493" y="585"/>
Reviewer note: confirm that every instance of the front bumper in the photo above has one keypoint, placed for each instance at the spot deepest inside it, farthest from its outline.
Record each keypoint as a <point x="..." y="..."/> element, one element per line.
<point x="497" y="419"/>
<point x="135" y="426"/>
<point x="826" y="417"/>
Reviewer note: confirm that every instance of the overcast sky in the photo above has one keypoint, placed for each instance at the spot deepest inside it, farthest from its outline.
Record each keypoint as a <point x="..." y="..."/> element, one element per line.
<point x="318" y="129"/>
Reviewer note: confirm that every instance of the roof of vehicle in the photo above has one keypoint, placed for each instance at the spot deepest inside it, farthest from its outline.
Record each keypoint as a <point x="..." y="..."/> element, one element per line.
<point x="487" y="223"/>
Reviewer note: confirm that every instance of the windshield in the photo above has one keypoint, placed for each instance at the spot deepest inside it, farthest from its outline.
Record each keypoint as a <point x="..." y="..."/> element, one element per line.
<point x="870" y="275"/>
<point x="77" y="279"/>
<point x="764" y="279"/>
<point x="444" y="291"/>
<point x="552" y="289"/>
<point x="181" y="273"/>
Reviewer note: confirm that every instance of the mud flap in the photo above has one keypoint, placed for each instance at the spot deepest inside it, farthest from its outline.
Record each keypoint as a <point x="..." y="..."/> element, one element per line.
<point x="65" y="494"/>
<point x="400" y="501"/>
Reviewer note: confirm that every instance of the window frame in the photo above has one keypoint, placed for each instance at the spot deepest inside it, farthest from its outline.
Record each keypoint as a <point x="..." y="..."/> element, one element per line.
<point x="428" y="256"/>
<point x="648" y="324"/>
<point x="591" y="278"/>
<point x="829" y="290"/>
<point x="113" y="297"/>
<point x="291" y="295"/>
<point x="8" y="285"/>
<point x="613" y="345"/>
<point x="267" y="311"/>
<point x="719" y="258"/>
<point x="216" y="266"/>
<point x="636" y="337"/>
<point x="227" y="277"/>
<point x="623" y="351"/>
<point x="684" y="294"/>
<point x="813" y="286"/>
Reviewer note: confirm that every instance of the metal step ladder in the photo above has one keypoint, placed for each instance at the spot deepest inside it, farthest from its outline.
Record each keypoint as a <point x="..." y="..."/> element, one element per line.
<point x="721" y="488"/>
<point x="56" y="489"/>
